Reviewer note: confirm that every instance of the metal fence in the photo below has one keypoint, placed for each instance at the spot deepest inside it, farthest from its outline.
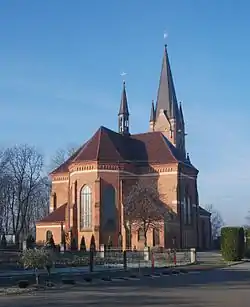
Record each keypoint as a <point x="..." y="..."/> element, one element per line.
<point x="123" y="259"/>
<point x="111" y="259"/>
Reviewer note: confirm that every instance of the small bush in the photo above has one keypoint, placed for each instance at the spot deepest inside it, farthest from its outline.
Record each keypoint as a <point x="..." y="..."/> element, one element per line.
<point x="30" y="241"/>
<point x="23" y="284"/>
<point x="50" y="284"/>
<point x="37" y="259"/>
<point x="232" y="243"/>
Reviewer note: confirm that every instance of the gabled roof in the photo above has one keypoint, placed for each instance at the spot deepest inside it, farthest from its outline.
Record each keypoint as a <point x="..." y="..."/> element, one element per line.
<point x="109" y="146"/>
<point x="152" y="147"/>
<point x="56" y="216"/>
<point x="105" y="145"/>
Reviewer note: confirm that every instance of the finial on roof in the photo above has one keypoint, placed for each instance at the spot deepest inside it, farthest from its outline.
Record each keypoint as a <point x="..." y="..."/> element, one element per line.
<point x="123" y="74"/>
<point x="166" y="97"/>
<point x="165" y="36"/>
<point x="188" y="158"/>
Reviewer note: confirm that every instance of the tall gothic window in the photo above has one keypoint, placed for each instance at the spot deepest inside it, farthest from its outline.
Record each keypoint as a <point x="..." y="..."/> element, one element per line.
<point x="86" y="207"/>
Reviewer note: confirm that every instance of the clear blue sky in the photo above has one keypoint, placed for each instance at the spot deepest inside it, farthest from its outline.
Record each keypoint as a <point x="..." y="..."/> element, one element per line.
<point x="60" y="65"/>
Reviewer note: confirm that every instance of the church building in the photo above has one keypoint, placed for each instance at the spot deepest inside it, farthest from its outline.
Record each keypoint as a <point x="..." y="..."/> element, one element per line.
<point x="89" y="188"/>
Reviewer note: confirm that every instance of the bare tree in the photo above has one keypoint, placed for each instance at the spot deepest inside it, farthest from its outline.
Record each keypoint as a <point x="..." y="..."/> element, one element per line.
<point x="3" y="188"/>
<point x="62" y="155"/>
<point x="24" y="191"/>
<point x="143" y="208"/>
<point x="216" y="220"/>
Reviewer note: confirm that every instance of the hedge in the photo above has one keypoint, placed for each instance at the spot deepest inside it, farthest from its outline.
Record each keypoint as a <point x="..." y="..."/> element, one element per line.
<point x="247" y="246"/>
<point x="232" y="243"/>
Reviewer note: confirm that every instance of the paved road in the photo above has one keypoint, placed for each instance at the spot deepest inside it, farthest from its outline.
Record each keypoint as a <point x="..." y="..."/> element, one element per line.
<point x="228" y="287"/>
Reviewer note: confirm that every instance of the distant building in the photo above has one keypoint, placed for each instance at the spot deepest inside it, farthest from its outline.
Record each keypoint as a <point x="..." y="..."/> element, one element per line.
<point x="87" y="190"/>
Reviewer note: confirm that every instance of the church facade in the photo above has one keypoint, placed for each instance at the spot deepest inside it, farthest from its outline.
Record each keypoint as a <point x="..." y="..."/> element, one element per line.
<point x="89" y="188"/>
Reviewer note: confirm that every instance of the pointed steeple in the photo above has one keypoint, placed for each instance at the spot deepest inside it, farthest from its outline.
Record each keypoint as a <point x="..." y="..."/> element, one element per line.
<point x="166" y="98"/>
<point x="181" y="112"/>
<point x="124" y="102"/>
<point x="123" y="115"/>
<point x="181" y="115"/>
<point x="152" y="113"/>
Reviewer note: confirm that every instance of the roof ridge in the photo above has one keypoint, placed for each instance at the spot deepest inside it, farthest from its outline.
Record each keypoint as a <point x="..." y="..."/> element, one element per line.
<point x="54" y="214"/>
<point x="99" y="141"/>
<point x="163" y="138"/>
<point x="144" y="133"/>
<point x="85" y="145"/>
<point x="120" y="135"/>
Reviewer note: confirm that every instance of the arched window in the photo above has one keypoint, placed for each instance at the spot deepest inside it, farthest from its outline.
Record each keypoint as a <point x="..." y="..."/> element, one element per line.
<point x="49" y="235"/>
<point x="86" y="207"/>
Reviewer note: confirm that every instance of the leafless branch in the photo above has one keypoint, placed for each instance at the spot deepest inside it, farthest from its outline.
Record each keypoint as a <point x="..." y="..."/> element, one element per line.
<point x="216" y="220"/>
<point x="62" y="155"/>
<point x="143" y="207"/>
<point x="23" y="190"/>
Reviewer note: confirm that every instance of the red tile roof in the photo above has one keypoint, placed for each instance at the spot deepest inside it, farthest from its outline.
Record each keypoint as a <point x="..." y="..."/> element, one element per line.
<point x="56" y="216"/>
<point x="109" y="146"/>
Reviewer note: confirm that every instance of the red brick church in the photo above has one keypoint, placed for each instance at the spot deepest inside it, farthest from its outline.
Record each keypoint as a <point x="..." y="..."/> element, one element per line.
<point x="89" y="188"/>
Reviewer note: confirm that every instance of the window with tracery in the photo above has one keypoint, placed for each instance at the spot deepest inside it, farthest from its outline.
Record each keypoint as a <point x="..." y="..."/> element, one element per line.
<point x="86" y="207"/>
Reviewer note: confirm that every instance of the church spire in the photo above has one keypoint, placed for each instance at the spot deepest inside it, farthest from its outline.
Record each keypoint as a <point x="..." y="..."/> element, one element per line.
<point x="152" y="117"/>
<point x="181" y="116"/>
<point x="166" y="98"/>
<point x="123" y="115"/>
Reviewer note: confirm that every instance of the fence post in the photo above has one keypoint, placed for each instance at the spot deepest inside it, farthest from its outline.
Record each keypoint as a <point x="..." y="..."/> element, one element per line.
<point x="91" y="260"/>
<point x="193" y="255"/>
<point x="102" y="251"/>
<point x="175" y="260"/>
<point x="152" y="261"/>
<point x="125" y="260"/>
